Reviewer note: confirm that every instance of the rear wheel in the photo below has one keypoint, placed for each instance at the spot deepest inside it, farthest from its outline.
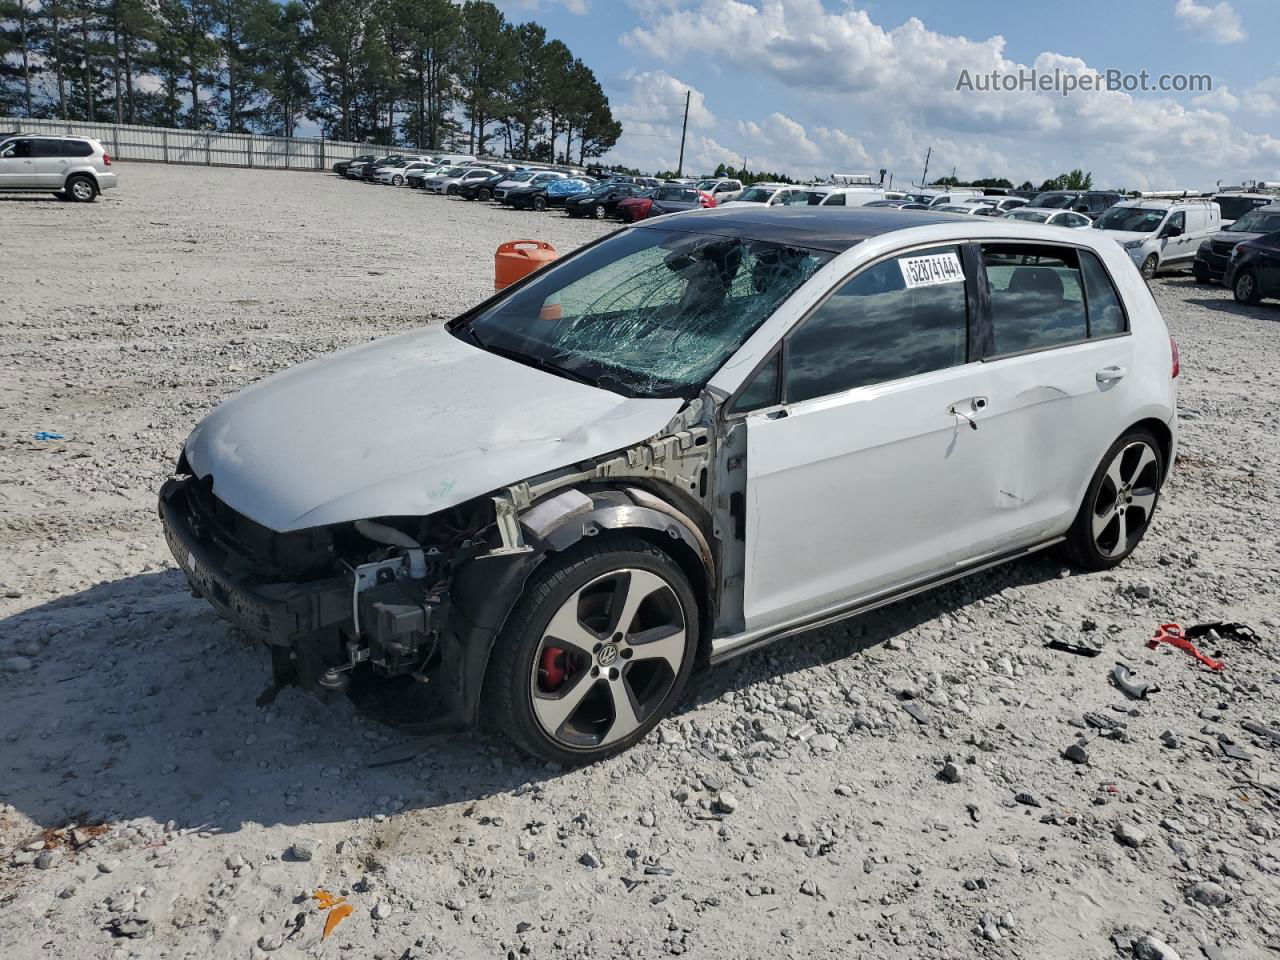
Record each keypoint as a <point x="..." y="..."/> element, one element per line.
<point x="598" y="211"/>
<point x="1245" y="289"/>
<point x="82" y="189"/>
<point x="595" y="654"/>
<point x="485" y="194"/>
<point x="540" y="203"/>
<point x="1149" y="267"/>
<point x="452" y="190"/>
<point x="1119" y="503"/>
<point x="397" y="180"/>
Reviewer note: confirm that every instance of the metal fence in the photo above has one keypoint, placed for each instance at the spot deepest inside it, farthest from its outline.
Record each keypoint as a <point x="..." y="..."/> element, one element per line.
<point x="206" y="147"/>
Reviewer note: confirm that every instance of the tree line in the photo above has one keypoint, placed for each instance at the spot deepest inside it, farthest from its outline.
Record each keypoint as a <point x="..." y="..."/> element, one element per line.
<point x="430" y="74"/>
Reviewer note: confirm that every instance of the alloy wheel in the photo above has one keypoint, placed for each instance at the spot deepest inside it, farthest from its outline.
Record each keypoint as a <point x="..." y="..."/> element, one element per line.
<point x="82" y="190"/>
<point x="1244" y="287"/>
<point x="1126" y="499"/>
<point x="608" y="658"/>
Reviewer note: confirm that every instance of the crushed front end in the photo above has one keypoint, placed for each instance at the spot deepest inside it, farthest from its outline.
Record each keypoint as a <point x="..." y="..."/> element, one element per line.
<point x="328" y="601"/>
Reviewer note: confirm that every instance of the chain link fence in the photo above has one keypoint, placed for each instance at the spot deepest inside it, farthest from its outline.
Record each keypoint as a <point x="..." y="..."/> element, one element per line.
<point x="206" y="147"/>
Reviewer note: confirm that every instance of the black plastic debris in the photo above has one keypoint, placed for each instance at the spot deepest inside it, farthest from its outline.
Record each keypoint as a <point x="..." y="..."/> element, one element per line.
<point x="1133" y="689"/>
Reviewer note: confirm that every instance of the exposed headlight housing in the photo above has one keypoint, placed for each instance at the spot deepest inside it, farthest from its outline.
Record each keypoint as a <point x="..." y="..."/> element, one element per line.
<point x="1133" y="244"/>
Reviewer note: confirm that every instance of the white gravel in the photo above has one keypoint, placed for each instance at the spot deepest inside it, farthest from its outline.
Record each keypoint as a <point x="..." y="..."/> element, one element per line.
<point x="793" y="807"/>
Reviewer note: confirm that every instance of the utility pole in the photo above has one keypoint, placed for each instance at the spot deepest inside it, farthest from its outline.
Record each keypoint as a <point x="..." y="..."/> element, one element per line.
<point x="683" y="130"/>
<point x="924" y="177"/>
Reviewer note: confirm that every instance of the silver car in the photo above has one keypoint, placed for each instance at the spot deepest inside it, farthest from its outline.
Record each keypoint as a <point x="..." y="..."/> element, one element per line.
<point x="72" y="168"/>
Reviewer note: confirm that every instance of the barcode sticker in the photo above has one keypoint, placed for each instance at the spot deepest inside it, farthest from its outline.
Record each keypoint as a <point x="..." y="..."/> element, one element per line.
<point x="931" y="270"/>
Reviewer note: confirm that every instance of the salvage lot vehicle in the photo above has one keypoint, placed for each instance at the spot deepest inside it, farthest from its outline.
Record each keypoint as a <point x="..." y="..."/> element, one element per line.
<point x="341" y="166"/>
<point x="551" y="507"/>
<point x="71" y="168"/>
<point x="602" y="200"/>
<point x="450" y="179"/>
<point x="671" y="198"/>
<point x="1213" y="255"/>
<point x="1050" y="217"/>
<point x="1160" y="234"/>
<point x="1090" y="202"/>
<point x="1253" y="271"/>
<point x="547" y="194"/>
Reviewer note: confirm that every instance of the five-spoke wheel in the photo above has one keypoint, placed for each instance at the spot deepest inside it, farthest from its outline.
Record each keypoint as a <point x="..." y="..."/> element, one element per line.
<point x="596" y="652"/>
<point x="1119" y="503"/>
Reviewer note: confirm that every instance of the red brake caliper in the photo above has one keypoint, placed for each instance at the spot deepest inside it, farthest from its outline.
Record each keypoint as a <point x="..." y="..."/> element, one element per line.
<point x="552" y="668"/>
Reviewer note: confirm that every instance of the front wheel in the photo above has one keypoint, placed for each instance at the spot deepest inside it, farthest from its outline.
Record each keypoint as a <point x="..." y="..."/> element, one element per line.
<point x="1245" y="289"/>
<point x="452" y="190"/>
<point x="1119" y="503"/>
<point x="1149" y="267"/>
<point x="540" y="204"/>
<point x="397" y="180"/>
<point x="596" y="652"/>
<point x="485" y="194"/>
<point x="1200" y="271"/>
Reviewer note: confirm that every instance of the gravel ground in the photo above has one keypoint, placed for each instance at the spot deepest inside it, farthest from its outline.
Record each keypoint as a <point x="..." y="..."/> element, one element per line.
<point x="792" y="807"/>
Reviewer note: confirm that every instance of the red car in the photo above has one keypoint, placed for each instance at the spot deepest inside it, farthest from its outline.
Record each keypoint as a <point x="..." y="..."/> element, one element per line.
<point x="668" y="198"/>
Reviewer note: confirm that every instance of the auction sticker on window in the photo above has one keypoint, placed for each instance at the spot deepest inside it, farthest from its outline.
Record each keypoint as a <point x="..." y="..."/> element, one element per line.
<point x="930" y="270"/>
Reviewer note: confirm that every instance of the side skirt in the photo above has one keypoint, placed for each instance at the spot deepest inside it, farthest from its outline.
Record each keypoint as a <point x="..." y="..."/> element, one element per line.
<point x="726" y="648"/>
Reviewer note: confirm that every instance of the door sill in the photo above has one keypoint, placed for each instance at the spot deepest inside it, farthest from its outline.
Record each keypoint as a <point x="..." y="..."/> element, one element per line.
<point x="726" y="648"/>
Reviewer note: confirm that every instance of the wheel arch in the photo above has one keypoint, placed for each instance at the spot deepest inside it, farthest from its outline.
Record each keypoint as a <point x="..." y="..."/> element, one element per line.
<point x="487" y="589"/>
<point x="1160" y="430"/>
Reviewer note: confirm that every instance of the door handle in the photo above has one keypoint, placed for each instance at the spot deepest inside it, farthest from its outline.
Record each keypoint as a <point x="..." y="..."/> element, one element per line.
<point x="964" y="410"/>
<point x="1110" y="374"/>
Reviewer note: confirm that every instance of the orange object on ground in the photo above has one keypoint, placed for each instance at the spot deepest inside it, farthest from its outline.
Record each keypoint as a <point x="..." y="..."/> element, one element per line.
<point x="1175" y="636"/>
<point x="338" y="909"/>
<point x="517" y="259"/>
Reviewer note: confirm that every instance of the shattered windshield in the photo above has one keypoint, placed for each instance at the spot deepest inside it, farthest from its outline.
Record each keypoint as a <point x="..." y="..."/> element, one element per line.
<point x="645" y="313"/>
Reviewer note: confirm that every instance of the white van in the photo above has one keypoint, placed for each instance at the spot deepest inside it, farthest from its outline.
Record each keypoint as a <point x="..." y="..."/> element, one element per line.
<point x="1161" y="234"/>
<point x="826" y="195"/>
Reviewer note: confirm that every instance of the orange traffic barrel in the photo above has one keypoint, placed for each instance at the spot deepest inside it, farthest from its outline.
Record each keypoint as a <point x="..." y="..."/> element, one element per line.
<point x="519" y="258"/>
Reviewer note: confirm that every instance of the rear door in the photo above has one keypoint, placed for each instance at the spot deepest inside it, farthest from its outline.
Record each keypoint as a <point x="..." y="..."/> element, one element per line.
<point x="18" y="166"/>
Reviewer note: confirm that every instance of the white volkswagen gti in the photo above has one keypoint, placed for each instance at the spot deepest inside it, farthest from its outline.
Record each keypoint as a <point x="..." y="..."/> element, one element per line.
<point x="694" y="436"/>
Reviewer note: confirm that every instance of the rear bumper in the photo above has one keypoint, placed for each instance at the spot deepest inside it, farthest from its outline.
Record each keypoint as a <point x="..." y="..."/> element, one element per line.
<point x="107" y="180"/>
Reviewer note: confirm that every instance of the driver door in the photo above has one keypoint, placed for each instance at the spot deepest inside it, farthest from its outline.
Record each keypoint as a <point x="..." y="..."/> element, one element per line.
<point x="18" y="167"/>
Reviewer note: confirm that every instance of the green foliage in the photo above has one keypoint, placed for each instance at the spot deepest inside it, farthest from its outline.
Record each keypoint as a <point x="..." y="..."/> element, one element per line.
<point x="428" y="73"/>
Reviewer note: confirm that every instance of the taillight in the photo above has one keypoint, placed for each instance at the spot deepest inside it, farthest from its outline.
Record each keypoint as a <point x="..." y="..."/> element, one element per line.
<point x="106" y="159"/>
<point x="1177" y="358"/>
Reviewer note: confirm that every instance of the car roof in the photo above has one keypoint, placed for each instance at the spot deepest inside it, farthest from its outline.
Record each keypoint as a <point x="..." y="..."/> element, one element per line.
<point x="833" y="229"/>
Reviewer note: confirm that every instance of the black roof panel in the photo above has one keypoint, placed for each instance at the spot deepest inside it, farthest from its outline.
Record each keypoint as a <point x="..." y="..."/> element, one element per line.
<point x="834" y="229"/>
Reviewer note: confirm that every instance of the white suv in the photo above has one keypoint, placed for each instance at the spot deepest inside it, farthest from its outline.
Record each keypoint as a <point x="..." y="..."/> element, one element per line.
<point x="72" y="168"/>
<point x="700" y="434"/>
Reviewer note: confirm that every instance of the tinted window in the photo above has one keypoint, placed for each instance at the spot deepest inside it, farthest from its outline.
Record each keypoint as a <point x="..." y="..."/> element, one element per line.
<point x="1106" y="316"/>
<point x="76" y="148"/>
<point x="1036" y="296"/>
<point x="1178" y="220"/>
<point x="46" y="148"/>
<point x="835" y="200"/>
<point x="878" y="328"/>
<point x="761" y="391"/>
<point x="21" y="148"/>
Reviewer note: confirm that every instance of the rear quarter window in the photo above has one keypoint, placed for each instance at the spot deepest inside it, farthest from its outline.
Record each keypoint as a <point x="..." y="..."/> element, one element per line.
<point x="1037" y="296"/>
<point x="76" y="148"/>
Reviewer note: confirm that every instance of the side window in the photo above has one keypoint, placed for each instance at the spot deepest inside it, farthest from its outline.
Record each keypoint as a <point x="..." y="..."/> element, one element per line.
<point x="1106" y="316"/>
<point x="20" y="148"/>
<point x="835" y="200"/>
<point x="898" y="318"/>
<point x="1037" y="299"/>
<point x="1178" y="220"/>
<point x="76" y="148"/>
<point x="46" y="148"/>
<point x="761" y="391"/>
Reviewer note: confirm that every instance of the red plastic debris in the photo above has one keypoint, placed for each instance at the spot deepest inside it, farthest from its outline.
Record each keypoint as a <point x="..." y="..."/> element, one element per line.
<point x="1175" y="636"/>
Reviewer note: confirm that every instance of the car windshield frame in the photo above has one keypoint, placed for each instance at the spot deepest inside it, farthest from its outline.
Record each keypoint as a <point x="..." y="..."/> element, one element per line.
<point x="1256" y="215"/>
<point x="648" y="313"/>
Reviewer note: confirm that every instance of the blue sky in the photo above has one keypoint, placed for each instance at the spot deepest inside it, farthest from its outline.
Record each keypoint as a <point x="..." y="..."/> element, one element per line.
<point x="821" y="86"/>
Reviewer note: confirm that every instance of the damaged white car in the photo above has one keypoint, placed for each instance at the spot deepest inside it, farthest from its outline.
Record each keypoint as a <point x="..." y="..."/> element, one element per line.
<point x="689" y="438"/>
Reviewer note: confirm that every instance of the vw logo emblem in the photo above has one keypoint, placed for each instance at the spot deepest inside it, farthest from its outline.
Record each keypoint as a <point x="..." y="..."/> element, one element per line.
<point x="608" y="654"/>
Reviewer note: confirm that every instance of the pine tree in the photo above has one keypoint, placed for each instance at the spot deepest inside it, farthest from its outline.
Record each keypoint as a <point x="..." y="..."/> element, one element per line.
<point x="487" y="64"/>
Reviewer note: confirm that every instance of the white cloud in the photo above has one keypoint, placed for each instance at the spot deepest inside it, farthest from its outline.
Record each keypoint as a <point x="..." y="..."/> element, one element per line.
<point x="1263" y="97"/>
<point x="1220" y="22"/>
<point x="899" y="87"/>
<point x="524" y="8"/>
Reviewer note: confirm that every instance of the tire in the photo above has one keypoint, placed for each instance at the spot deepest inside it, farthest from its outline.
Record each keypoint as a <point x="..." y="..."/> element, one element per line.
<point x="1149" y="265"/>
<point x="452" y="190"/>
<point x="1104" y="534"/>
<point x="598" y="211"/>
<point x="397" y="180"/>
<point x="485" y="194"/>
<point x="592" y="663"/>
<point x="1245" y="288"/>
<point x="1200" y="271"/>
<point x="540" y="204"/>
<point x="81" y="188"/>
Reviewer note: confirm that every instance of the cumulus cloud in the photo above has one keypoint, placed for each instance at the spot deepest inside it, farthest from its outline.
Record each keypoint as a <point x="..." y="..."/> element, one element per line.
<point x="900" y="86"/>
<point x="1219" y="22"/>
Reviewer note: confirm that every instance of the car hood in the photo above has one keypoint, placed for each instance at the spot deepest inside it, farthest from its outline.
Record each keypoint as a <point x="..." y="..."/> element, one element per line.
<point x="1124" y="236"/>
<point x="404" y="426"/>
<point x="1235" y="236"/>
